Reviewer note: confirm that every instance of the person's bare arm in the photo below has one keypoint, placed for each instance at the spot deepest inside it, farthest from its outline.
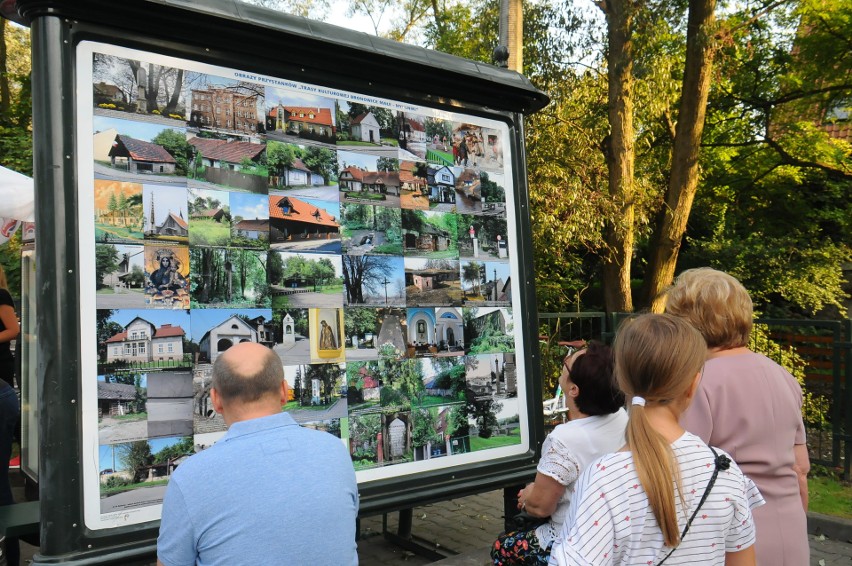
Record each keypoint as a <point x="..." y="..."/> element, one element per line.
<point x="160" y="563"/>
<point x="743" y="557"/>
<point x="10" y="321"/>
<point x="541" y="497"/>
<point x="802" y="467"/>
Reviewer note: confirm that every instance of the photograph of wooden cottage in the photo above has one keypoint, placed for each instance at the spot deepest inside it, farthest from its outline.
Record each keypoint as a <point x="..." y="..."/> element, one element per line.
<point x="118" y="212"/>
<point x="165" y="213"/>
<point x="144" y="339"/>
<point x="225" y="105"/>
<point x="293" y="116"/>
<point x="414" y="190"/>
<point x="209" y="217"/>
<point x="304" y="225"/>
<point x="137" y="152"/>
<point x="221" y="161"/>
<point x="122" y="412"/>
<point x="429" y="234"/>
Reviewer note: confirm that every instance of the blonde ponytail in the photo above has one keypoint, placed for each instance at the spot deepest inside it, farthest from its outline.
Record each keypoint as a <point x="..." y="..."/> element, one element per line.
<point x="657" y="357"/>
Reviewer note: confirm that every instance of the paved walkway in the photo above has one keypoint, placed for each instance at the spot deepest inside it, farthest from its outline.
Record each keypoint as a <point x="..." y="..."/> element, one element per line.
<point x="463" y="529"/>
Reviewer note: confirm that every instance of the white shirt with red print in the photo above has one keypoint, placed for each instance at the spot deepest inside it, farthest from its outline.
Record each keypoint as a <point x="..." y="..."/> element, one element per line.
<point x="610" y="521"/>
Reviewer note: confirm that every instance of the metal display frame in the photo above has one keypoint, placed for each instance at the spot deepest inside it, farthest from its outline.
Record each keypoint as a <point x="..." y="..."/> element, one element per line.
<point x="316" y="53"/>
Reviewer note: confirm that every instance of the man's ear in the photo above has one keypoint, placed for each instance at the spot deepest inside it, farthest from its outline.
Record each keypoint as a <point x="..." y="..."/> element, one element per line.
<point x="216" y="400"/>
<point x="285" y="393"/>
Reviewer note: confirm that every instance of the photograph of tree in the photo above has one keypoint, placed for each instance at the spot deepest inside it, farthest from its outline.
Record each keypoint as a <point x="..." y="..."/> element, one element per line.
<point x="122" y="407"/>
<point x="494" y="194"/>
<point x="165" y="214"/>
<point x="142" y="339"/>
<point x="430" y="234"/>
<point x="443" y="380"/>
<point x="368" y="179"/>
<point x="488" y="329"/>
<point x="365" y="440"/>
<point x="492" y="415"/>
<point x="325" y="335"/>
<point x="372" y="280"/>
<point x="370" y="229"/>
<point x="432" y="282"/>
<point x="370" y="329"/>
<point x="293" y="117"/>
<point x="209" y="217"/>
<point x="118" y="212"/>
<point x="363" y="386"/>
<point x="140" y="152"/>
<point x="227" y="161"/>
<point x="120" y="276"/>
<point x="486" y="283"/>
<point x="136" y="473"/>
<point x="482" y="237"/>
<point x="249" y="221"/>
<point x="167" y="277"/>
<point x="369" y="129"/>
<point x="306" y="171"/>
<point x="435" y="429"/>
<point x="305" y="280"/>
<point x="291" y="330"/>
<point x="225" y="105"/>
<point x="125" y="86"/>
<point x="230" y="278"/>
<point x="318" y="392"/>
<point x="402" y="383"/>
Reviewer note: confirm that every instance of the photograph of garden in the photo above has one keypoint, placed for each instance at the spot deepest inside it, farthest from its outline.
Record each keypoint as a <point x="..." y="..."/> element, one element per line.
<point x="118" y="212"/>
<point x="489" y="329"/>
<point x="370" y="229"/>
<point x="232" y="278"/>
<point x="209" y="217"/>
<point x="137" y="89"/>
<point x="302" y="280"/>
<point x="306" y="171"/>
<point x="136" y="473"/>
<point x="120" y="276"/>
<point x="374" y="280"/>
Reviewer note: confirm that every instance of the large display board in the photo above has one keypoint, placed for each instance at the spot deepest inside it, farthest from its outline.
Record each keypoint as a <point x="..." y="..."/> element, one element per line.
<point x="367" y="242"/>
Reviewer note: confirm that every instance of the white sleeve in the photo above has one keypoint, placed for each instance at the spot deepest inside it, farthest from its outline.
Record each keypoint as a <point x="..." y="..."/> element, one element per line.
<point x="558" y="462"/>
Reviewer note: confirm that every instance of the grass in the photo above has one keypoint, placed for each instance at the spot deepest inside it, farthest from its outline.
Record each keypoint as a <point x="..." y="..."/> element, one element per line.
<point x="356" y="142"/>
<point x="280" y="302"/>
<point x="363" y="195"/>
<point x="295" y="406"/>
<point x="111" y="291"/>
<point x="391" y="249"/>
<point x="332" y="290"/>
<point x="108" y="233"/>
<point x="112" y="491"/>
<point x="830" y="496"/>
<point x="478" y="443"/>
<point x="444" y="254"/>
<point x="131" y="417"/>
<point x="208" y="232"/>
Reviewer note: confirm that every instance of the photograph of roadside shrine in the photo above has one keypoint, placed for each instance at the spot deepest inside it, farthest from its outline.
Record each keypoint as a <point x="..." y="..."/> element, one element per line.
<point x="291" y="334"/>
<point x="228" y="278"/>
<point x="371" y="331"/>
<point x="120" y="276"/>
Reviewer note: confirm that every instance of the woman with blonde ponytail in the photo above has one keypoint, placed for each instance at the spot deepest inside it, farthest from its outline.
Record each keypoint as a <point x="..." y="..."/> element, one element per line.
<point x="666" y="497"/>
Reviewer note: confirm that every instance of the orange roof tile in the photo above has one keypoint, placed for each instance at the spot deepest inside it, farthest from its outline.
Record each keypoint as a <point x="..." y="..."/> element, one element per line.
<point x="299" y="211"/>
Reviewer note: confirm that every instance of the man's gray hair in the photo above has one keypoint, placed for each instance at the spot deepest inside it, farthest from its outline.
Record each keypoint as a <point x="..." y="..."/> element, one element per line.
<point x="234" y="384"/>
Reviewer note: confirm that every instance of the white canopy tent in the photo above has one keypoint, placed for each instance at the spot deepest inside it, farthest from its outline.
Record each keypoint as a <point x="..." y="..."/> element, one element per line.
<point x="16" y="196"/>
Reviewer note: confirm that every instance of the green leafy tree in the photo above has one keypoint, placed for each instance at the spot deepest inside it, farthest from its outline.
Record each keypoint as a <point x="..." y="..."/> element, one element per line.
<point x="106" y="261"/>
<point x="175" y="143"/>
<point x="184" y="447"/>
<point x="135" y="457"/>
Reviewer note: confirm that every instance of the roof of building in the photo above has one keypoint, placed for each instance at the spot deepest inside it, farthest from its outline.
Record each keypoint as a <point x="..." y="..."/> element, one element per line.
<point x="361" y="117"/>
<point x="116" y="391"/>
<point x="180" y="221"/>
<point x="300" y="211"/>
<point x="299" y="165"/>
<point x="321" y="116"/>
<point x="142" y="150"/>
<point x="415" y="124"/>
<point x="164" y="331"/>
<point x="210" y="213"/>
<point x="381" y="178"/>
<point x="227" y="151"/>
<point x="107" y="89"/>
<point x="260" y="224"/>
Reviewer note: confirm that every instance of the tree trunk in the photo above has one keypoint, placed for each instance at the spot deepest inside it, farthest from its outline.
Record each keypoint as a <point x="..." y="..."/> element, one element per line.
<point x="171" y="107"/>
<point x="683" y="181"/>
<point x="620" y="156"/>
<point x="5" y="92"/>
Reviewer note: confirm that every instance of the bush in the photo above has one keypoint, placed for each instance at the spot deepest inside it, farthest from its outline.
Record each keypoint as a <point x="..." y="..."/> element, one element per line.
<point x="115" y="482"/>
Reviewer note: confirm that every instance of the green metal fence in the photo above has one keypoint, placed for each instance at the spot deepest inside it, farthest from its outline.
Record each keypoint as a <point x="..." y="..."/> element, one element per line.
<point x="819" y="350"/>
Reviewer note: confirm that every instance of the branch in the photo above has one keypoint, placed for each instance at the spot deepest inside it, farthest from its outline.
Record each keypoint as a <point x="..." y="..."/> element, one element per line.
<point x="788" y="159"/>
<point x="755" y="16"/>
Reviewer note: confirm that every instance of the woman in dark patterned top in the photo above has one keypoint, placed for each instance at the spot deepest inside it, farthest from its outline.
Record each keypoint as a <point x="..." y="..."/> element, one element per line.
<point x="9" y="330"/>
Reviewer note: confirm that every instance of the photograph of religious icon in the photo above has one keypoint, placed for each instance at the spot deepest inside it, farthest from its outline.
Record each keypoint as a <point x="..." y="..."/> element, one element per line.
<point x="167" y="277"/>
<point x="120" y="276"/>
<point x="165" y="213"/>
<point x="118" y="212"/>
<point x="325" y="334"/>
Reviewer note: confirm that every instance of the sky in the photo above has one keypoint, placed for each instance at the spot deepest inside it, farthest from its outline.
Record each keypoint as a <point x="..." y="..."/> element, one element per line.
<point x="139" y="130"/>
<point x="362" y="160"/>
<point x="157" y="317"/>
<point x="248" y="205"/>
<point x="293" y="98"/>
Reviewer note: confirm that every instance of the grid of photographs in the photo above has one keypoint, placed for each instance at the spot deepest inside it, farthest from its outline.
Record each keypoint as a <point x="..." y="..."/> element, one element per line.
<point x="366" y="246"/>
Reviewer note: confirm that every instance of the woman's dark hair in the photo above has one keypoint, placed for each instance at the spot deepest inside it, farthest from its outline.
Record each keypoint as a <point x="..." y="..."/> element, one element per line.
<point x="593" y="374"/>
